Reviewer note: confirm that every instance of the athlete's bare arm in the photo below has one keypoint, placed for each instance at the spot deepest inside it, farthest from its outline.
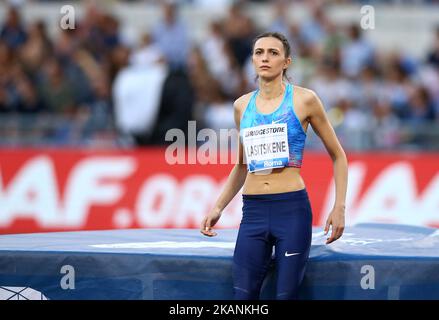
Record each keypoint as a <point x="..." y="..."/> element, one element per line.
<point x="236" y="178"/>
<point x="319" y="121"/>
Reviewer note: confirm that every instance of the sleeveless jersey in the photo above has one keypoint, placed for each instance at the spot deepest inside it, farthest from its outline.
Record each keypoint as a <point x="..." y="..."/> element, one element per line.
<point x="272" y="140"/>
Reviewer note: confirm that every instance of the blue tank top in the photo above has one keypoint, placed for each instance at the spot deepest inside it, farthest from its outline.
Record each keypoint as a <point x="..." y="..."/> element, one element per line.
<point x="273" y="140"/>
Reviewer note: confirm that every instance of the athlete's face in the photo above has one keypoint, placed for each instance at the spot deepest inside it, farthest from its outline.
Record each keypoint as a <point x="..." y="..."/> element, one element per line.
<point x="269" y="57"/>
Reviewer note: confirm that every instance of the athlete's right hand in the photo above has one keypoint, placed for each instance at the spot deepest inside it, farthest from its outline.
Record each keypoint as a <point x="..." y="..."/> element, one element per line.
<point x="208" y="222"/>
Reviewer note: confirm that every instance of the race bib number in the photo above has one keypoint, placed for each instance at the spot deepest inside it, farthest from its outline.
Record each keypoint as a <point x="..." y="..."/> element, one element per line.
<point x="266" y="146"/>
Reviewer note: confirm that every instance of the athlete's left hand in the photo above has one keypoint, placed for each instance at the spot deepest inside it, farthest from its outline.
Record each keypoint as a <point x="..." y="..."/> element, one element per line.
<point x="336" y="219"/>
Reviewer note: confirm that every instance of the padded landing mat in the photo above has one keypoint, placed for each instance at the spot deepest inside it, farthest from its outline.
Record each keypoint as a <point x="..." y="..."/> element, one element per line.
<point x="370" y="261"/>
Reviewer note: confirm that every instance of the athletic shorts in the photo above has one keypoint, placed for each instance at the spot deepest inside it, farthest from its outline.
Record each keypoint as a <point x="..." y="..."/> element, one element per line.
<point x="282" y="221"/>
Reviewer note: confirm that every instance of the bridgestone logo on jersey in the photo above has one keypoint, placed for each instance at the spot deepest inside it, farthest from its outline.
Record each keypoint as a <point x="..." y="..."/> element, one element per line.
<point x="253" y="133"/>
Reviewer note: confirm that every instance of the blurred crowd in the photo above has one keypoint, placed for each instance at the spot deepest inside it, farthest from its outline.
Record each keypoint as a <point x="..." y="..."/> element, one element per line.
<point x="87" y="86"/>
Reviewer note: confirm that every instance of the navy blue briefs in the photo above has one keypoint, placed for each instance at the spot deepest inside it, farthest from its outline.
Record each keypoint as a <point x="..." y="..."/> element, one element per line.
<point x="282" y="221"/>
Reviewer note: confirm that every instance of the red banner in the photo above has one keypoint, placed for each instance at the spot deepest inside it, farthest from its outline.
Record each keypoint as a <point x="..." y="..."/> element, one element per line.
<point x="57" y="190"/>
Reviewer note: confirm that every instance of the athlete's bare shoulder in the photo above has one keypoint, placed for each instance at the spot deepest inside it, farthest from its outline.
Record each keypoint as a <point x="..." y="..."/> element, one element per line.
<point x="240" y="104"/>
<point x="305" y="95"/>
<point x="242" y="101"/>
<point x="306" y="100"/>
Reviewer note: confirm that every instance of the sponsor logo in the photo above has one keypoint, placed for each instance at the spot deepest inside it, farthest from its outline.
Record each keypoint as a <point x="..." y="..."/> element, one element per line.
<point x="291" y="254"/>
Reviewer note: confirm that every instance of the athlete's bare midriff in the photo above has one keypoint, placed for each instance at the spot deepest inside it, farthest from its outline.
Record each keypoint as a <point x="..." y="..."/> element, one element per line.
<point x="274" y="181"/>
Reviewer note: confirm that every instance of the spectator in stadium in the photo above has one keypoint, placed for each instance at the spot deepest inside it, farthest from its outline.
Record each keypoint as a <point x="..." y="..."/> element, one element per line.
<point x="281" y="21"/>
<point x="170" y="35"/>
<point x="7" y="63"/>
<point x="36" y="48"/>
<point x="396" y="84"/>
<point x="420" y="107"/>
<point x="356" y="53"/>
<point x="176" y="106"/>
<point x="433" y="54"/>
<point x="220" y="61"/>
<point x="214" y="108"/>
<point x="56" y="90"/>
<point x="12" y="31"/>
<point x="239" y="30"/>
<point x="330" y="85"/>
<point x="276" y="210"/>
<point x="147" y="53"/>
<point x="384" y="125"/>
<point x="312" y="30"/>
<point x="137" y="92"/>
<point x="28" y="99"/>
<point x="368" y="88"/>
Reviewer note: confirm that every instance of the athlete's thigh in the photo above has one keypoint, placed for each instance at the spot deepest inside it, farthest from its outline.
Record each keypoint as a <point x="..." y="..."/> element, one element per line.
<point x="293" y="241"/>
<point x="253" y="247"/>
<point x="291" y="225"/>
